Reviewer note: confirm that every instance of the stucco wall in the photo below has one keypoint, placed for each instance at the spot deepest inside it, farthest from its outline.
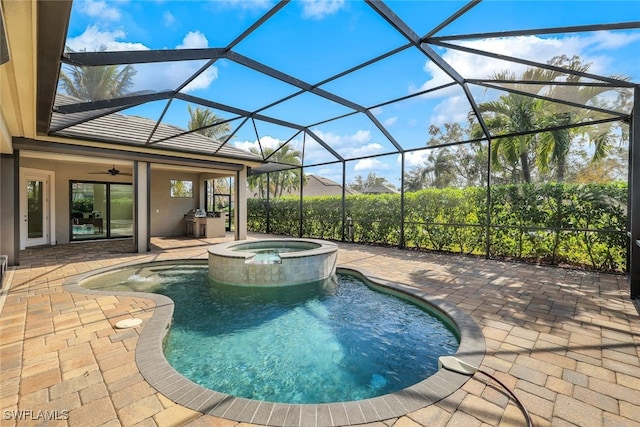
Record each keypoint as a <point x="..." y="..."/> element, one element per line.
<point x="167" y="213"/>
<point x="7" y="211"/>
<point x="65" y="172"/>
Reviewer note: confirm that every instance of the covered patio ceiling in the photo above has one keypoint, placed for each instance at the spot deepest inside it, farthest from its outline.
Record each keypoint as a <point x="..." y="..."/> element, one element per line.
<point x="337" y="81"/>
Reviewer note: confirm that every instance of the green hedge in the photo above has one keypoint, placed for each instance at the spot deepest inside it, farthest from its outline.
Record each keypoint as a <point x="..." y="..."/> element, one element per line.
<point x="548" y="223"/>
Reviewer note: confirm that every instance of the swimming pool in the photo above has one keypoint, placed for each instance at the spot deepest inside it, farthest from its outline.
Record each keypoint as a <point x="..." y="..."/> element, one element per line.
<point x="329" y="341"/>
<point x="164" y="378"/>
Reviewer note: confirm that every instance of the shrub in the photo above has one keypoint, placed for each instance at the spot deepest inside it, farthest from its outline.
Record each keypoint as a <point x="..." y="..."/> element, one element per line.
<point x="580" y="225"/>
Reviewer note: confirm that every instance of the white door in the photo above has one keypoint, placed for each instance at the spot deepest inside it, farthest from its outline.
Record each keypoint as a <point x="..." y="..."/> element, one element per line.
<point x="35" y="208"/>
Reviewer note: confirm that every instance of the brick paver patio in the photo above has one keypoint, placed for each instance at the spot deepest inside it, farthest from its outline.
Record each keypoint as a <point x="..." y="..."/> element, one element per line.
<point x="565" y="341"/>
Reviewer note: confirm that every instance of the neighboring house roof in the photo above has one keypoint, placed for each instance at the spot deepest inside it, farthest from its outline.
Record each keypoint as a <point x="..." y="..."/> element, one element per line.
<point x="316" y="186"/>
<point x="135" y="131"/>
<point x="321" y="186"/>
<point x="380" y="189"/>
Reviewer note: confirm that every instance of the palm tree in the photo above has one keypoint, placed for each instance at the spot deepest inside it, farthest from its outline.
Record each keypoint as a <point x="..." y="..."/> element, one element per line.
<point x="448" y="166"/>
<point x="281" y="181"/>
<point x="441" y="168"/>
<point x="372" y="180"/>
<point x="512" y="114"/>
<point x="204" y="121"/>
<point x="555" y="145"/>
<point x="99" y="82"/>
<point x="288" y="180"/>
<point x="515" y="113"/>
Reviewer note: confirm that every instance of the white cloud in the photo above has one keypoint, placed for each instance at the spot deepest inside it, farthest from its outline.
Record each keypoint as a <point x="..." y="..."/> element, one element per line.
<point x="605" y="40"/>
<point x="414" y="158"/>
<point x="151" y="76"/>
<point x="359" y="137"/>
<point x="377" y="111"/>
<point x="538" y="49"/>
<point x="351" y="145"/>
<point x="168" y="19"/>
<point x="99" y="9"/>
<point x="180" y="72"/>
<point x="193" y="40"/>
<point x="371" y="148"/>
<point x="452" y="109"/>
<point x="248" y="4"/>
<point x="370" y="165"/>
<point x="390" y="121"/>
<point x="318" y="9"/>
<point x="93" y="38"/>
<point x="245" y="145"/>
<point x="471" y="66"/>
<point x="266" y="142"/>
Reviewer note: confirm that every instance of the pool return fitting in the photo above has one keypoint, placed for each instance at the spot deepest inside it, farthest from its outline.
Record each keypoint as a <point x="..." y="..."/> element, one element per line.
<point x="454" y="364"/>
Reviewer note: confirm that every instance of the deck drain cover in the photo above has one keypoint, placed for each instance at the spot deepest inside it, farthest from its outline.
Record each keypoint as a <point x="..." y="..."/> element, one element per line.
<point x="128" y="323"/>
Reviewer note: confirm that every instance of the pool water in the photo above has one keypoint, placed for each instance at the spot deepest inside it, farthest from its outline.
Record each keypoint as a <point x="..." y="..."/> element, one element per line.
<point x="331" y="341"/>
<point x="269" y="255"/>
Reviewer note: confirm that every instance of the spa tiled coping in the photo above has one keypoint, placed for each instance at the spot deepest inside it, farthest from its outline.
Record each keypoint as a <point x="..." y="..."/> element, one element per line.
<point x="165" y="379"/>
<point x="244" y="249"/>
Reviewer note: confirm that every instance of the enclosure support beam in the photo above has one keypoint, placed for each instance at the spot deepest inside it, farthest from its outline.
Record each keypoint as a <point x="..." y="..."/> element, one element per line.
<point x="240" y="212"/>
<point x="634" y="198"/>
<point x="301" y="202"/>
<point x="268" y="203"/>
<point x="487" y="235"/>
<point x="402" y="242"/>
<point x="343" y="201"/>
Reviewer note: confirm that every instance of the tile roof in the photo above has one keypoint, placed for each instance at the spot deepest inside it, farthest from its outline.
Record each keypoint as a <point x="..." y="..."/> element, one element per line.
<point x="135" y="131"/>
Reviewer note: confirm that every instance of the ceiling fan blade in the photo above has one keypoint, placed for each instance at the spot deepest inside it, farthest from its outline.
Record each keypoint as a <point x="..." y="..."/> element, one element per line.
<point x="113" y="172"/>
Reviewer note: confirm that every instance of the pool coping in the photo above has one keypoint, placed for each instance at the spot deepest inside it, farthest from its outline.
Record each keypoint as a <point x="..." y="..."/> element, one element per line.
<point x="155" y="369"/>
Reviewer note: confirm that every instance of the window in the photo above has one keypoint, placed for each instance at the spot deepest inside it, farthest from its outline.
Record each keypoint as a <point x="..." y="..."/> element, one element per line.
<point x="181" y="188"/>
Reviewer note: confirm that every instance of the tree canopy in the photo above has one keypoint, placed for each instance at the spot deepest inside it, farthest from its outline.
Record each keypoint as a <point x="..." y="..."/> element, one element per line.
<point x="533" y="139"/>
<point x="281" y="182"/>
<point x="207" y="123"/>
<point x="98" y="82"/>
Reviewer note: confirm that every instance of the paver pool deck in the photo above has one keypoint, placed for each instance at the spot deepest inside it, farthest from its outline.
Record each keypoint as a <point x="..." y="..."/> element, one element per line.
<point x="565" y="341"/>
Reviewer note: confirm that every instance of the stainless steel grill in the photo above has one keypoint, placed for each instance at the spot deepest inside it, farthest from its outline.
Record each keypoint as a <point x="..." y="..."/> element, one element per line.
<point x="190" y="221"/>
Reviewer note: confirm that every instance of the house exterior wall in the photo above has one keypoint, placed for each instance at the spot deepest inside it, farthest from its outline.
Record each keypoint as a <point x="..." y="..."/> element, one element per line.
<point x="167" y="213"/>
<point x="66" y="172"/>
<point x="8" y="214"/>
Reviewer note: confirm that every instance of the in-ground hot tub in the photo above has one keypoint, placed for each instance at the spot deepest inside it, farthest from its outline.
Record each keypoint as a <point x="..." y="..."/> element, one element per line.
<point x="272" y="262"/>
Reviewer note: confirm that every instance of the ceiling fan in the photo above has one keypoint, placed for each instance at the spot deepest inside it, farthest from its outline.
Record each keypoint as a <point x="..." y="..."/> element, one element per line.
<point x="113" y="172"/>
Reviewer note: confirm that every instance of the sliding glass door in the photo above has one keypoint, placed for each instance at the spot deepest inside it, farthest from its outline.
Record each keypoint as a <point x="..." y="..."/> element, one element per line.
<point x="121" y="210"/>
<point x="100" y="210"/>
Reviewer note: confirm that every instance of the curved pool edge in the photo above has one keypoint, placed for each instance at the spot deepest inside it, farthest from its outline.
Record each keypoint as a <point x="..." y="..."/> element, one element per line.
<point x="157" y="371"/>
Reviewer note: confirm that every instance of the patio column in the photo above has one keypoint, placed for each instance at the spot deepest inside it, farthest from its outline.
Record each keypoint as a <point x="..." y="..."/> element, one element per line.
<point x="9" y="207"/>
<point x="141" y="203"/>
<point x="634" y="198"/>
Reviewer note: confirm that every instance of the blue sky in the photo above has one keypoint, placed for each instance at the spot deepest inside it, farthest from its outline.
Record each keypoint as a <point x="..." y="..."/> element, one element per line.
<point x="314" y="40"/>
